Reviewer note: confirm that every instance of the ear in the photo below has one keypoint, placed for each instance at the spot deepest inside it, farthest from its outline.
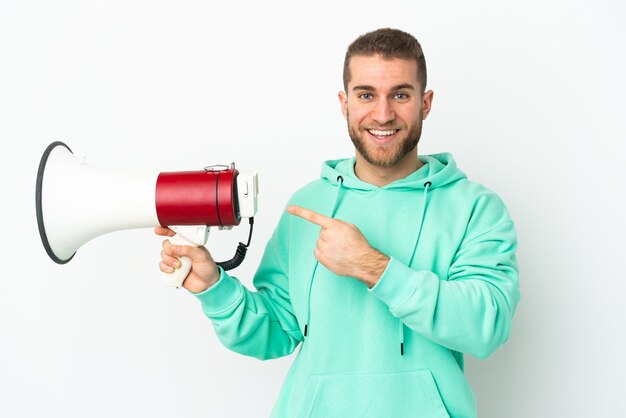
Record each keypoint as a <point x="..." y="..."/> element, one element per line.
<point x="427" y="102"/>
<point x="343" y="100"/>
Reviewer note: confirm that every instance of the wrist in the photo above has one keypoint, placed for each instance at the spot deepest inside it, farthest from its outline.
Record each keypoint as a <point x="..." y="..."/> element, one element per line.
<point x="196" y="284"/>
<point x="373" y="268"/>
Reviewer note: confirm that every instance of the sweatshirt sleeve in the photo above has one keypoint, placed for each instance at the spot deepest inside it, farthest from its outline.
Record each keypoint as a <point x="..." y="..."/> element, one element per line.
<point x="257" y="323"/>
<point x="471" y="309"/>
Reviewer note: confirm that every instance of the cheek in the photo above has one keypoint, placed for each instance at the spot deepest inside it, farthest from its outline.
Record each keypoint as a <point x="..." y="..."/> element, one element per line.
<point x="411" y="114"/>
<point x="356" y="115"/>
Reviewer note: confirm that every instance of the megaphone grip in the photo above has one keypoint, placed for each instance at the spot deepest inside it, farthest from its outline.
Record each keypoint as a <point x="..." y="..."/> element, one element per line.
<point x="176" y="278"/>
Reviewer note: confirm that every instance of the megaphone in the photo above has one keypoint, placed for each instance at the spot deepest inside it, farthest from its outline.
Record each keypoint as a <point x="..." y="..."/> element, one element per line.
<point x="76" y="202"/>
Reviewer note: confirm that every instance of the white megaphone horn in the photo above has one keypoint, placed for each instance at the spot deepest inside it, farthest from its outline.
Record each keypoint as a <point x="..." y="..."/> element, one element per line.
<point x="76" y="202"/>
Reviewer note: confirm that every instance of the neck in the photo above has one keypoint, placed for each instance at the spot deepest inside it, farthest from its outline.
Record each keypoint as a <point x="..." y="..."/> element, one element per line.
<point x="382" y="176"/>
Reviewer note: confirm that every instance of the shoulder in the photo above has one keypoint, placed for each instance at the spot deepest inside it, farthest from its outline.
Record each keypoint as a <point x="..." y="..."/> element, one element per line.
<point x="485" y="208"/>
<point x="470" y="203"/>
<point x="472" y="192"/>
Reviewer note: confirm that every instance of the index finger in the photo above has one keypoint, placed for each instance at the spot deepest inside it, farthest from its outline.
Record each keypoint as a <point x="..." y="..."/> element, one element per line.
<point x="159" y="230"/>
<point x="311" y="216"/>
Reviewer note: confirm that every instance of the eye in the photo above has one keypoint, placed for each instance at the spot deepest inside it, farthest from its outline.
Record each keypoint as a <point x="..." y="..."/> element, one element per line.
<point x="401" y="96"/>
<point x="366" y="96"/>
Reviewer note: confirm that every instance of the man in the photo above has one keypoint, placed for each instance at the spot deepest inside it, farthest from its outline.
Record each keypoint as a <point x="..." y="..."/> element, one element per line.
<point x="387" y="269"/>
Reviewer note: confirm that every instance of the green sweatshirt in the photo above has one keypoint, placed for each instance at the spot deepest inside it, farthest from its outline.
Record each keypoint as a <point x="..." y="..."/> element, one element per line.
<point x="395" y="350"/>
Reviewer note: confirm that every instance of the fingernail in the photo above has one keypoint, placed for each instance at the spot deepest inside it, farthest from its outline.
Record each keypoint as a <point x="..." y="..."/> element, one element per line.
<point x="170" y="269"/>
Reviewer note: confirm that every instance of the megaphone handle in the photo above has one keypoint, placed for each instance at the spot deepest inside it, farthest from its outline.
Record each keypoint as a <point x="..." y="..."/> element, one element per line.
<point x="176" y="278"/>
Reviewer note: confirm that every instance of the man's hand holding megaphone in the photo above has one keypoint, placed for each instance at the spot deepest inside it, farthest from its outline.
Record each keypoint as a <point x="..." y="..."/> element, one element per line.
<point x="204" y="272"/>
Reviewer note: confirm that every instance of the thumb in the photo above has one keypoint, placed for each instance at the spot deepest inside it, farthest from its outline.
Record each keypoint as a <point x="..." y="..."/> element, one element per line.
<point x="195" y="254"/>
<point x="174" y="250"/>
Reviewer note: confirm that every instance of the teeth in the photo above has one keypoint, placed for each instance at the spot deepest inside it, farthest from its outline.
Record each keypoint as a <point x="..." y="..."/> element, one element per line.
<point x="382" y="133"/>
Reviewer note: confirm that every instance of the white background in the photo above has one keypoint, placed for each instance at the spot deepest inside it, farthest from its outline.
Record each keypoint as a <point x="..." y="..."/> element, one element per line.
<point x="529" y="97"/>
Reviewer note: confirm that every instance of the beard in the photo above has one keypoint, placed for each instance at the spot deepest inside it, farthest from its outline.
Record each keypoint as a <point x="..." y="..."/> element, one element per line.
<point x="385" y="156"/>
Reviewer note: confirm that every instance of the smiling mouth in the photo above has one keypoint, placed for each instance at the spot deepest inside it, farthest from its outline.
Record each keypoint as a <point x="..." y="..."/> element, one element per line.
<point x="382" y="136"/>
<point x="381" y="133"/>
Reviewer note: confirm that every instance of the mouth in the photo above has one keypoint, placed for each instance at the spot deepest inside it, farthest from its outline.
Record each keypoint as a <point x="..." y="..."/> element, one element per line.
<point x="382" y="136"/>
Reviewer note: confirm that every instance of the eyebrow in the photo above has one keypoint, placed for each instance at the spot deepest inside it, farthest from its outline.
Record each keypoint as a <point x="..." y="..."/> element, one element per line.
<point x="406" y="86"/>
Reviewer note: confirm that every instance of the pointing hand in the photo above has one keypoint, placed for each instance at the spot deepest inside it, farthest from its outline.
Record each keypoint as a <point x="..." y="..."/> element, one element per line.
<point x="343" y="249"/>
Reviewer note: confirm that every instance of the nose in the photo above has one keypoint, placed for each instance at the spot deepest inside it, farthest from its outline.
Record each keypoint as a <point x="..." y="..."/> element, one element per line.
<point x="383" y="112"/>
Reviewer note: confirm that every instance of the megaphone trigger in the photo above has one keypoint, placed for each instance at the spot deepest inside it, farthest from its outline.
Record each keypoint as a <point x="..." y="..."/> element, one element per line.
<point x="185" y="235"/>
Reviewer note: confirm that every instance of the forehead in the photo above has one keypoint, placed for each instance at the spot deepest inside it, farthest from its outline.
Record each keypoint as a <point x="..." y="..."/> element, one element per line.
<point x="382" y="73"/>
